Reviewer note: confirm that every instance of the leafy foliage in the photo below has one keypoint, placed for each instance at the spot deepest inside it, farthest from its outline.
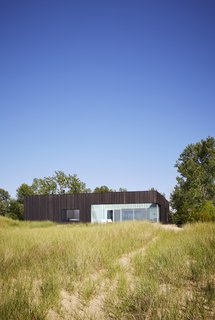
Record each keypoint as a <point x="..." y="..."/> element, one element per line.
<point x="23" y="191"/>
<point x="122" y="190"/>
<point x="3" y="209"/>
<point x="4" y="202"/>
<point x="16" y="210"/>
<point x="59" y="183"/>
<point x="75" y="185"/>
<point x="196" y="182"/>
<point x="107" y="189"/>
<point x="44" y="186"/>
<point x="205" y="213"/>
<point x="103" y="189"/>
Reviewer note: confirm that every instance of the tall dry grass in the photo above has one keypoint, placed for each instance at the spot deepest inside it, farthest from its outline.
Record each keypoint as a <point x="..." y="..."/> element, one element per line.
<point x="38" y="260"/>
<point x="175" y="279"/>
<point x="133" y="270"/>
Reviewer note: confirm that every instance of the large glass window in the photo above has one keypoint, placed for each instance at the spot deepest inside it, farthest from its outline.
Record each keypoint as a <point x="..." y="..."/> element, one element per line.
<point x="125" y="211"/>
<point x="127" y="214"/>
<point x="71" y="215"/>
<point x="140" y="214"/>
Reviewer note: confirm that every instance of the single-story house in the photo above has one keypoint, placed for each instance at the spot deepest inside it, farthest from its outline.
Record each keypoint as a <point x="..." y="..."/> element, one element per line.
<point x="98" y="207"/>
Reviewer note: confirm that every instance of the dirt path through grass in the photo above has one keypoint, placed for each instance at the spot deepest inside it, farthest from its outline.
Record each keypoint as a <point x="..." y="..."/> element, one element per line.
<point x="87" y="300"/>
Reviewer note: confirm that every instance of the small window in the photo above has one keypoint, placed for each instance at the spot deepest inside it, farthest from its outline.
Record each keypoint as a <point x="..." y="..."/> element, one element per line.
<point x="71" y="215"/>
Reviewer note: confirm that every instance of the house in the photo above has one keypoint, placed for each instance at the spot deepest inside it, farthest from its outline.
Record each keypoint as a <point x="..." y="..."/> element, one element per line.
<point x="98" y="207"/>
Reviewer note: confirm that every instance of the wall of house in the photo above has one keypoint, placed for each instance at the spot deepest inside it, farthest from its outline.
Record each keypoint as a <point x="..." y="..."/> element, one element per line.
<point x="49" y="207"/>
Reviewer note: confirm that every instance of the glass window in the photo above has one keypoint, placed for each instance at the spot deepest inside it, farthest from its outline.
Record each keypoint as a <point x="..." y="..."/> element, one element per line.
<point x="71" y="215"/>
<point x="116" y="215"/>
<point x="140" y="214"/>
<point x="124" y="211"/>
<point x="127" y="214"/>
<point x="153" y="212"/>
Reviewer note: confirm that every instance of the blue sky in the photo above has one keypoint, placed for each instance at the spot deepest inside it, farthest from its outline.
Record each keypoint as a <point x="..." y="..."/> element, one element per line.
<point x="110" y="90"/>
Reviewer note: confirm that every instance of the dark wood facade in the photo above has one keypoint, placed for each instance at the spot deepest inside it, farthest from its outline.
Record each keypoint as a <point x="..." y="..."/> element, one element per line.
<point x="49" y="207"/>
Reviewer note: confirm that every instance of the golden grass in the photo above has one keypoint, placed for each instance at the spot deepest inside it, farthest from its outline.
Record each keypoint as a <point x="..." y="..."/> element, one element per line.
<point x="133" y="270"/>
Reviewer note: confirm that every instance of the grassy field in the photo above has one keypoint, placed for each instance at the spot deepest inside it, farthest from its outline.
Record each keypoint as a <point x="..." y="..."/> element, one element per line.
<point x="133" y="270"/>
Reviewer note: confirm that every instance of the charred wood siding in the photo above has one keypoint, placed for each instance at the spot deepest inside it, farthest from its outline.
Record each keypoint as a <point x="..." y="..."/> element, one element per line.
<point x="49" y="207"/>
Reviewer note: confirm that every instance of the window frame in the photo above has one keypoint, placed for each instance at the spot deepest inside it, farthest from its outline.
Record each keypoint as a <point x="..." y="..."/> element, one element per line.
<point x="65" y="218"/>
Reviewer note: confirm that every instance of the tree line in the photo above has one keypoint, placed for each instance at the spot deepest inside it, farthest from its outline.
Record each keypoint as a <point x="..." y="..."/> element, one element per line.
<point x="58" y="183"/>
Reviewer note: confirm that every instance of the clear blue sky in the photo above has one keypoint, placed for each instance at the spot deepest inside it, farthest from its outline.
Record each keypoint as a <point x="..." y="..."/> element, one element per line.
<point x="110" y="90"/>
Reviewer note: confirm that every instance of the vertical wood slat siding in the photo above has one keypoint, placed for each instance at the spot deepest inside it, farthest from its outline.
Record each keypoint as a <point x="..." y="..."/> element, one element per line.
<point x="48" y="207"/>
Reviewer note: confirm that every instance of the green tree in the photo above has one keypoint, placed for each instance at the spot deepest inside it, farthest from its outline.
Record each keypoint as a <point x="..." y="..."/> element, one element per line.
<point x="205" y="213"/>
<point x="61" y="180"/>
<point x="44" y="186"/>
<point x="75" y="185"/>
<point x="103" y="189"/>
<point x="4" y="202"/>
<point x="122" y="190"/>
<point x="196" y="180"/>
<point x="59" y="183"/>
<point x="23" y="191"/>
<point x="16" y="209"/>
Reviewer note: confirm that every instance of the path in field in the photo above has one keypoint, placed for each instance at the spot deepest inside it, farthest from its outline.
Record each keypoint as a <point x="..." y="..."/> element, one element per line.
<point x="75" y="306"/>
<point x="79" y="307"/>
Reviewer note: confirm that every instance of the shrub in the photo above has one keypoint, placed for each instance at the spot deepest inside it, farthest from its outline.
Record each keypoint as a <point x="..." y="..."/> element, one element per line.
<point x="205" y="213"/>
